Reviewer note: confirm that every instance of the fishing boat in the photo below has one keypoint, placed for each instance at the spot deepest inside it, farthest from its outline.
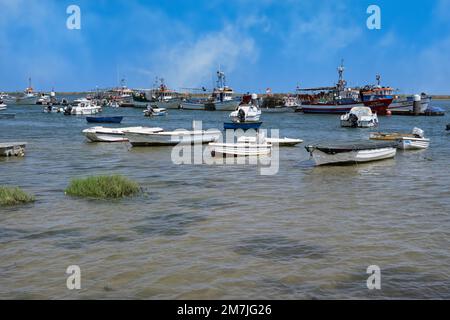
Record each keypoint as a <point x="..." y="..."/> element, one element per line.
<point x="240" y="149"/>
<point x="193" y="104"/>
<point x="405" y="141"/>
<point x="290" y="104"/>
<point x="104" y="119"/>
<point x="407" y="104"/>
<point x="340" y="99"/>
<point x="12" y="149"/>
<point x="28" y="97"/>
<point x="102" y="134"/>
<point x="155" y="111"/>
<point x="160" y="96"/>
<point x="84" y="107"/>
<point x="359" y="117"/>
<point x="221" y="99"/>
<point x="143" y="138"/>
<point x="6" y="98"/>
<point x="282" y="142"/>
<point x="351" y="153"/>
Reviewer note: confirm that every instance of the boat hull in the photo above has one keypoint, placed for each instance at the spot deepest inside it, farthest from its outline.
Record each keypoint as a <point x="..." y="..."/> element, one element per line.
<point x="241" y="125"/>
<point x="239" y="149"/>
<point x="104" y="119"/>
<point x="377" y="106"/>
<point x="279" y="109"/>
<point x="408" y="105"/>
<point x="26" y="100"/>
<point x="353" y="157"/>
<point x="103" y="137"/>
<point x="230" y="105"/>
<point x="413" y="144"/>
<point x="192" y="106"/>
<point x="170" y="139"/>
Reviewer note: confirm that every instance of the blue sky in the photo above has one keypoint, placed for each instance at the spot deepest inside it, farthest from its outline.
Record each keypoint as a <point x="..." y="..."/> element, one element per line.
<point x="258" y="43"/>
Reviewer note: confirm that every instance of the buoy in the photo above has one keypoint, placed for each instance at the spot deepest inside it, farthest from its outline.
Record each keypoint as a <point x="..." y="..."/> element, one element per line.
<point x="389" y="113"/>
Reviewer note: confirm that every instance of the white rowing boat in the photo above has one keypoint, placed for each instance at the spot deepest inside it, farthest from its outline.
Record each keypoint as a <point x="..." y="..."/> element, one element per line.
<point x="142" y="138"/>
<point x="352" y="153"/>
<point x="240" y="149"/>
<point x="102" y="134"/>
<point x="405" y="141"/>
<point x="283" y="142"/>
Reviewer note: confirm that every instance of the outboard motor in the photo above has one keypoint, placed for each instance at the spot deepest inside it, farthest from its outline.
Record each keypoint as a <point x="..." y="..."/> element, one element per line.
<point x="418" y="132"/>
<point x="241" y="115"/>
<point x="68" y="111"/>
<point x="353" y="118"/>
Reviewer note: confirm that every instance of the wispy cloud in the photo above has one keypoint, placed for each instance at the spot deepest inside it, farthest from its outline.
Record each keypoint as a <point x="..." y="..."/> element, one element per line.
<point x="193" y="63"/>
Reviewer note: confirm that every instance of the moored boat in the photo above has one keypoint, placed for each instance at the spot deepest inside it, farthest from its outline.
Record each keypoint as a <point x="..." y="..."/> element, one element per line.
<point x="359" y="117"/>
<point x="28" y="97"/>
<point x="155" y="112"/>
<point x="143" y="138"/>
<point x="340" y="99"/>
<point x="84" y="107"/>
<point x="160" y="96"/>
<point x="242" y="125"/>
<point x="282" y="142"/>
<point x="117" y="119"/>
<point x="12" y="149"/>
<point x="240" y="149"/>
<point x="248" y="111"/>
<point x="405" y="141"/>
<point x="102" y="134"/>
<point x="352" y="153"/>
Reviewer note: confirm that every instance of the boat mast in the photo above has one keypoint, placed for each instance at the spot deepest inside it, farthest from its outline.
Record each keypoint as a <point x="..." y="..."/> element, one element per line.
<point x="341" y="82"/>
<point x="378" y="80"/>
<point x="221" y="81"/>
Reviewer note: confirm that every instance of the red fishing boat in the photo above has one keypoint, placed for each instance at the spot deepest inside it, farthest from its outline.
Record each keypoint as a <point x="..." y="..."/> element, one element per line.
<point x="340" y="99"/>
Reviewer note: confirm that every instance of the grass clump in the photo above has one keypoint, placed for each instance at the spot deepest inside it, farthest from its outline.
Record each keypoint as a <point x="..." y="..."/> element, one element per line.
<point x="10" y="196"/>
<point x="103" y="187"/>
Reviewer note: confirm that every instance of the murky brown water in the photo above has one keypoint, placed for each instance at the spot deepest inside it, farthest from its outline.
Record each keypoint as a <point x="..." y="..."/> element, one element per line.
<point x="207" y="232"/>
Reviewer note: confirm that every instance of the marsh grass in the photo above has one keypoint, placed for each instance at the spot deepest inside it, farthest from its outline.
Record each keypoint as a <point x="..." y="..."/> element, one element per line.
<point x="102" y="187"/>
<point x="10" y="196"/>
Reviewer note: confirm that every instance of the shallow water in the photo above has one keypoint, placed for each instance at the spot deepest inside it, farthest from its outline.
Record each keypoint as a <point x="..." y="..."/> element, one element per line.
<point x="215" y="231"/>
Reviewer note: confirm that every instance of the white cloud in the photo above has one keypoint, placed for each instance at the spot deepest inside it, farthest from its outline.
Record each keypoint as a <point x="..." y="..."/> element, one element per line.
<point x="187" y="64"/>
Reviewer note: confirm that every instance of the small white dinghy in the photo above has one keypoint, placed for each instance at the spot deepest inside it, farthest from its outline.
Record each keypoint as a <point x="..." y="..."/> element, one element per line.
<point x="283" y="142"/>
<point x="102" y="134"/>
<point x="405" y="141"/>
<point x="240" y="149"/>
<point x="359" y="117"/>
<point x="352" y="153"/>
<point x="155" y="112"/>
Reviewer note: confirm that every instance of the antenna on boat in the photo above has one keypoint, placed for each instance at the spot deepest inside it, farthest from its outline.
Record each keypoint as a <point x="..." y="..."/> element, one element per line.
<point x="378" y="79"/>
<point x="341" y="83"/>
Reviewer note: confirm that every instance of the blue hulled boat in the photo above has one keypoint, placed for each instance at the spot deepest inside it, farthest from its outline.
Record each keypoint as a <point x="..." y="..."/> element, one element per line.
<point x="241" y="125"/>
<point x="104" y="119"/>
